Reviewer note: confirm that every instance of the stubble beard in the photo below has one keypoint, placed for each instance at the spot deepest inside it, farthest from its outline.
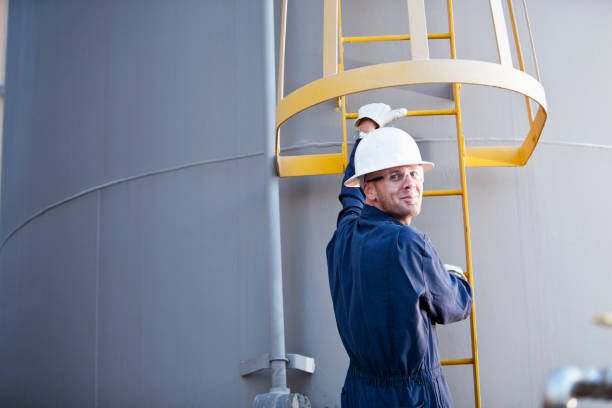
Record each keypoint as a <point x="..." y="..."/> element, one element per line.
<point x="398" y="210"/>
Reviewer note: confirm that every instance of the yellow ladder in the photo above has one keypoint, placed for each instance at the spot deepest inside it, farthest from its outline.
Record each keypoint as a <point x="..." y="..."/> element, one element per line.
<point x="473" y="360"/>
<point x="336" y="83"/>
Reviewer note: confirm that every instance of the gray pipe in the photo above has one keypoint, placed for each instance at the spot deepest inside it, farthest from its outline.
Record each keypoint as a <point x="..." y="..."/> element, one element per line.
<point x="279" y="396"/>
<point x="278" y="362"/>
<point x="566" y="384"/>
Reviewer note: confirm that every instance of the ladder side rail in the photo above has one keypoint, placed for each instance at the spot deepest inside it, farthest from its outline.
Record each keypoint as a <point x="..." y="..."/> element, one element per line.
<point x="466" y="219"/>
<point x="468" y="248"/>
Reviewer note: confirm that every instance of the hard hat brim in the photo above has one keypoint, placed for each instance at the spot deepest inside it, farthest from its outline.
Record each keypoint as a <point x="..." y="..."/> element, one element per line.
<point x="356" y="182"/>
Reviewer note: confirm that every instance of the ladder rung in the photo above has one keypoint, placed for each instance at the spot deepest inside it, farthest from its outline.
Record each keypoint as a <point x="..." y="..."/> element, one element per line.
<point x="415" y="113"/>
<point x="458" y="361"/>
<point x="438" y="193"/>
<point x="375" y="38"/>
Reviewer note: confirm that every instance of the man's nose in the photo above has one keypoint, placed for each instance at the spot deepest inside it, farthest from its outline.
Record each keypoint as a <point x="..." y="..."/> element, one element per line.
<point x="409" y="181"/>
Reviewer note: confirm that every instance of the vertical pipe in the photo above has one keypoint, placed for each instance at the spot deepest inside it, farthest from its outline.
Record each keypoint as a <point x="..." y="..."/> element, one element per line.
<point x="278" y="362"/>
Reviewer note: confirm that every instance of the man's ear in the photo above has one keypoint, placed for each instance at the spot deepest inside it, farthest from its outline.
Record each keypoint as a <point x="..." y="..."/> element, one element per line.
<point x="369" y="191"/>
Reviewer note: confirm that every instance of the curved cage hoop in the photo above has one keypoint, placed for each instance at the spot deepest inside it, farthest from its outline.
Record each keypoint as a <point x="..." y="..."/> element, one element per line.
<point x="337" y="83"/>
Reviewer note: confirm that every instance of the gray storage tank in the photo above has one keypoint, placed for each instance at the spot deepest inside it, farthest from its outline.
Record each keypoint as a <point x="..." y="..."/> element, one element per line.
<point x="132" y="261"/>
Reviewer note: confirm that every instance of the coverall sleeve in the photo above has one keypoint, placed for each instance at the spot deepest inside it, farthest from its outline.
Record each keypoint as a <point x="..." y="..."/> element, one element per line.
<point x="446" y="297"/>
<point x="351" y="198"/>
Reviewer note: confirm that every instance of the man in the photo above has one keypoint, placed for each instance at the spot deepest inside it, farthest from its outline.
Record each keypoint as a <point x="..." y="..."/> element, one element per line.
<point x="388" y="285"/>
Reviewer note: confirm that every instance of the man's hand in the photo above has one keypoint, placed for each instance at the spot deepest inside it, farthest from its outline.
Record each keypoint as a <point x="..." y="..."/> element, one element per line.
<point x="380" y="113"/>
<point x="455" y="270"/>
<point x="392" y="115"/>
<point x="374" y="115"/>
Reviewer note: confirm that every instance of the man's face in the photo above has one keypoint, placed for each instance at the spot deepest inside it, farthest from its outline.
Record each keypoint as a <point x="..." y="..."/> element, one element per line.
<point x="366" y="125"/>
<point x="397" y="191"/>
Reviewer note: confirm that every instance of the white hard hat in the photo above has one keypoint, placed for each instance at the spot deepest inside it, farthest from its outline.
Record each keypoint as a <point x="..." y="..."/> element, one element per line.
<point x="374" y="111"/>
<point x="385" y="148"/>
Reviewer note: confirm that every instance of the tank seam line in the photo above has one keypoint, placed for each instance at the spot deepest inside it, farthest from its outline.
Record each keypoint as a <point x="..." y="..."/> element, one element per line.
<point x="121" y="181"/>
<point x="225" y="159"/>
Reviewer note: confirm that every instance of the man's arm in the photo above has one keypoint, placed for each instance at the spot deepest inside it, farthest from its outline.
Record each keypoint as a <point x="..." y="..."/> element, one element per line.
<point x="450" y="297"/>
<point x="352" y="198"/>
<point x="446" y="297"/>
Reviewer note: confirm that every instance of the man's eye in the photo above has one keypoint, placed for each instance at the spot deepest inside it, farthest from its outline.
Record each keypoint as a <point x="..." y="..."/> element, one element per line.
<point x="395" y="177"/>
<point x="414" y="174"/>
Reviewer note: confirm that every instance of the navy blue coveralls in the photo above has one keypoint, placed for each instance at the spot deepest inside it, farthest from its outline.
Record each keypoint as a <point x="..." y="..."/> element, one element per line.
<point x="389" y="290"/>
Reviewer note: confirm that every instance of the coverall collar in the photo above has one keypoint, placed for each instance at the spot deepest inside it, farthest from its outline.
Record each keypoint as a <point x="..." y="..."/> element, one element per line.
<point x="370" y="212"/>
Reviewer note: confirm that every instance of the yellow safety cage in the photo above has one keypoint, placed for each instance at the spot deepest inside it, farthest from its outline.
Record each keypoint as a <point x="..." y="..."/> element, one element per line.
<point x="421" y="69"/>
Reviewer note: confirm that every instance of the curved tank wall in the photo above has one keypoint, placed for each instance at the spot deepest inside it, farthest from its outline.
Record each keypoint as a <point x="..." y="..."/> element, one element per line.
<point x="132" y="267"/>
<point x="147" y="289"/>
